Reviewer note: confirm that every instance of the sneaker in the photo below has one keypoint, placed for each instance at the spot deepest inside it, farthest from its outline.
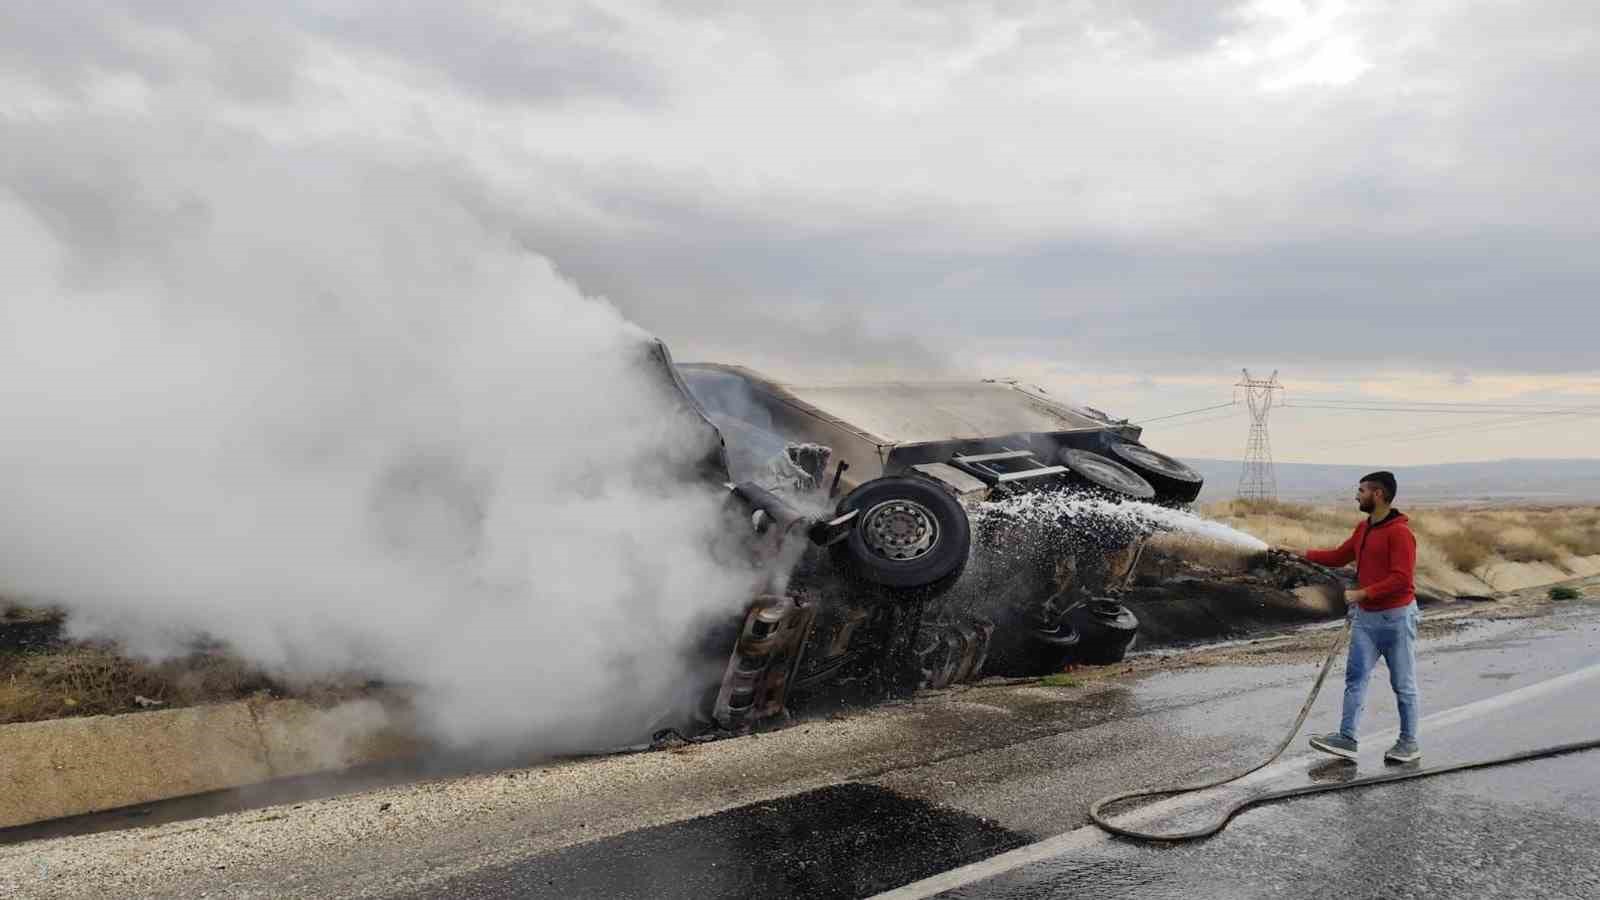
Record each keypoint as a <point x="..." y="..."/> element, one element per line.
<point x="1335" y="743"/>
<point x="1403" y="751"/>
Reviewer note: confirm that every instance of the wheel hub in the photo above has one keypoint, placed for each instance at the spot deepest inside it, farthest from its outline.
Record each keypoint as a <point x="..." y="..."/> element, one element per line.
<point x="1152" y="460"/>
<point x="1104" y="472"/>
<point x="900" y="530"/>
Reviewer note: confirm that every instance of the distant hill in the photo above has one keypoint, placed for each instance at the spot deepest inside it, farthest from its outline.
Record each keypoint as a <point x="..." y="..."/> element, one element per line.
<point x="1499" y="481"/>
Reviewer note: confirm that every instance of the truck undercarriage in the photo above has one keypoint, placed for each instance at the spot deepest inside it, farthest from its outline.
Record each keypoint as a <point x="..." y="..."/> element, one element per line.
<point x="917" y="536"/>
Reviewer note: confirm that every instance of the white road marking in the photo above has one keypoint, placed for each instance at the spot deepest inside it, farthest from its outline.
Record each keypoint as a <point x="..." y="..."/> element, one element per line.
<point x="1091" y="835"/>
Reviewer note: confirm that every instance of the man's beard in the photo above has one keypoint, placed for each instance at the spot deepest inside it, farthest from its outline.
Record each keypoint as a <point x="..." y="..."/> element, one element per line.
<point x="1365" y="506"/>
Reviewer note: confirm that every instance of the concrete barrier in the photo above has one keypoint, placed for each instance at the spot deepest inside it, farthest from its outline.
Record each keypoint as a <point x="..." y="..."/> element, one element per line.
<point x="1504" y="575"/>
<point x="67" y="767"/>
<point x="1498" y="576"/>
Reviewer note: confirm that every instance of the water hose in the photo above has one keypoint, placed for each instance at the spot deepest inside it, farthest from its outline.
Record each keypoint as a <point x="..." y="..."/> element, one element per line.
<point x="1097" y="809"/>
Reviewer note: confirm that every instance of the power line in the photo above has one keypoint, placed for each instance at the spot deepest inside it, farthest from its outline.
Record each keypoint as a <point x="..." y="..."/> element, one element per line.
<point x="1487" y="416"/>
<point x="1423" y="407"/>
<point x="1484" y="425"/>
<point x="1422" y="432"/>
<point x="1488" y="404"/>
<point x="1187" y="422"/>
<point x="1462" y="411"/>
<point x="1187" y="412"/>
<point x="1495" y="424"/>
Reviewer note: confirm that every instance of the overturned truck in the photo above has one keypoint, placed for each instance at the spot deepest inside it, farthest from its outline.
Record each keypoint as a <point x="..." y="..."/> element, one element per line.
<point x="917" y="535"/>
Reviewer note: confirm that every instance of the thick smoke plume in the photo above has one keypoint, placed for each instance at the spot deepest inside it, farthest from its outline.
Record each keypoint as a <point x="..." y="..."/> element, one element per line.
<point x="295" y="396"/>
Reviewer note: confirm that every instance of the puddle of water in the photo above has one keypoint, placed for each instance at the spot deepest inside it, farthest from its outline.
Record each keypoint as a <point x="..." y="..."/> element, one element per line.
<point x="850" y="840"/>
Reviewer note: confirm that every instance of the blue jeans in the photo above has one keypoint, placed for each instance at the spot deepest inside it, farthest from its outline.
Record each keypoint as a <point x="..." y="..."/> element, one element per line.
<point x="1392" y="635"/>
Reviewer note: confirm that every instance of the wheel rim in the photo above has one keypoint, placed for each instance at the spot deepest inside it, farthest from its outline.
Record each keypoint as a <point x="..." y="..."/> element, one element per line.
<point x="1061" y="635"/>
<point x="900" y="530"/>
<point x="1103" y="609"/>
<point x="1154" y="461"/>
<point x="1102" y="472"/>
<point x="1108" y="473"/>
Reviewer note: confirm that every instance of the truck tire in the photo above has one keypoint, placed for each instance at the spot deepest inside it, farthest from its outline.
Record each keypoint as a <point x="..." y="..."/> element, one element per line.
<point x="1106" y="474"/>
<point x="909" y="533"/>
<point x="1106" y="630"/>
<point x="1035" y="651"/>
<point x="1174" y="481"/>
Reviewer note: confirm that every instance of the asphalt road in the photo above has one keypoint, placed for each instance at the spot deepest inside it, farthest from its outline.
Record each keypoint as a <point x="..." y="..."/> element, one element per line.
<point x="1530" y="829"/>
<point x="887" y="798"/>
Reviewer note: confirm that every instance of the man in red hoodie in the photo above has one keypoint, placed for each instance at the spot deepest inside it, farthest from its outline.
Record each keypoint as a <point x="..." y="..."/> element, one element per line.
<point x="1383" y="611"/>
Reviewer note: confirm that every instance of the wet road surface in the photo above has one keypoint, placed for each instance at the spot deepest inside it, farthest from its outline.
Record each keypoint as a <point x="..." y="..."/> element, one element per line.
<point x="1533" y="827"/>
<point x="1527" y="829"/>
<point x="1508" y="833"/>
<point x="865" y="803"/>
<point x="849" y="840"/>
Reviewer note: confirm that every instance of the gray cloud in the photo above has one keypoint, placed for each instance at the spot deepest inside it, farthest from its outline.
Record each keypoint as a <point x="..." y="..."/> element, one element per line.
<point x="236" y="52"/>
<point x="1505" y="300"/>
<point x="485" y="51"/>
<point x="1176" y="26"/>
<point x="60" y="46"/>
<point x="257" y="52"/>
<point x="912" y="182"/>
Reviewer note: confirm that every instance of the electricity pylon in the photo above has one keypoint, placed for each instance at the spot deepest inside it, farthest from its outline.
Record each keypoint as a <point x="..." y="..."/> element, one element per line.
<point x="1258" y="481"/>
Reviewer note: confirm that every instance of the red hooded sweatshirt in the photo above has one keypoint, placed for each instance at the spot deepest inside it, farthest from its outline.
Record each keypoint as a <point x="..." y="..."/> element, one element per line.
<point x="1386" y="561"/>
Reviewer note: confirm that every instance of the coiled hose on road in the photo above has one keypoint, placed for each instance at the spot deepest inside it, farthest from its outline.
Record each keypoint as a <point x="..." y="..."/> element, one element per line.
<point x="1097" y="809"/>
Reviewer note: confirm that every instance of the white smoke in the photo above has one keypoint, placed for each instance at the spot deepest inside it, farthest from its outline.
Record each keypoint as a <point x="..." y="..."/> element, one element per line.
<point x="296" y="396"/>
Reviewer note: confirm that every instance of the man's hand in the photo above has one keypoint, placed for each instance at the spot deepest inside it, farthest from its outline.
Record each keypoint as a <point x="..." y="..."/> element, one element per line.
<point x="1289" y="551"/>
<point x="1354" y="598"/>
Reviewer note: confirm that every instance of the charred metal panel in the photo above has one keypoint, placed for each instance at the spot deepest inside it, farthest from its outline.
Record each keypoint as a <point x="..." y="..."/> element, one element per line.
<point x="795" y="420"/>
<point x="755" y="686"/>
<point x="714" y="464"/>
<point x="951" y="653"/>
<point x="903" y="413"/>
<point x="921" y="422"/>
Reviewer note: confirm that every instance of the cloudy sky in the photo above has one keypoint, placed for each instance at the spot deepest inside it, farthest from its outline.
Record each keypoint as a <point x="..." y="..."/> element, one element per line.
<point x="1127" y="202"/>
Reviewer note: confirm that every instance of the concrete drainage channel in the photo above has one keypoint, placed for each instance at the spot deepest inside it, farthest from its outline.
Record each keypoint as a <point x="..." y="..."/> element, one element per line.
<point x="56" y="775"/>
<point x="70" y="767"/>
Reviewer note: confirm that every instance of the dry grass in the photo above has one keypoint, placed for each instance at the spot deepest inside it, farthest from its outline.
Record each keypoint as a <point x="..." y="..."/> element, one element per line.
<point x="89" y="680"/>
<point x="1578" y="539"/>
<point x="1464" y="550"/>
<point x="45" y="677"/>
<point x="1459" y="540"/>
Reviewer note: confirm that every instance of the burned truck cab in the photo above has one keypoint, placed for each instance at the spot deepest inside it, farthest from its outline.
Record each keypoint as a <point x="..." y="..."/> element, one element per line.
<point x="925" y="541"/>
<point x="998" y="431"/>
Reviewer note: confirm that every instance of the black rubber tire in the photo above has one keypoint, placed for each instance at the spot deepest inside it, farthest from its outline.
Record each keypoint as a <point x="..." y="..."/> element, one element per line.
<point x="938" y="568"/>
<point x="1029" y="652"/>
<point x="1107" y="630"/>
<point x="1046" y="653"/>
<point x="1174" y="481"/>
<point x="1105" y="473"/>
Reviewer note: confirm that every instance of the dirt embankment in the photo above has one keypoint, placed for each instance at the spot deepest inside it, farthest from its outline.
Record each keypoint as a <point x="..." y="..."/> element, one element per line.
<point x="45" y="676"/>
